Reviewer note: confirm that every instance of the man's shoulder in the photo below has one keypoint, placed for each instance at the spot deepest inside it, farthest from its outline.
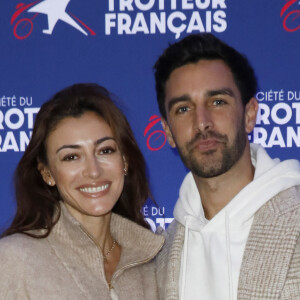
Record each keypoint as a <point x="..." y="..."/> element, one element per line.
<point x="284" y="204"/>
<point x="169" y="259"/>
<point x="174" y="238"/>
<point x="272" y="248"/>
<point x="171" y="230"/>
<point x="175" y="230"/>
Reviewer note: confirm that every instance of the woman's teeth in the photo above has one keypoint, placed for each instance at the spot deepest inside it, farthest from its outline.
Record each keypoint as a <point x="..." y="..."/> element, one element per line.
<point x="95" y="189"/>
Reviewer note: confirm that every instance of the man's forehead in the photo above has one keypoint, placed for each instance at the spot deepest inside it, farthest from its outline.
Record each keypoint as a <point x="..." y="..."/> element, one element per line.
<point x="205" y="74"/>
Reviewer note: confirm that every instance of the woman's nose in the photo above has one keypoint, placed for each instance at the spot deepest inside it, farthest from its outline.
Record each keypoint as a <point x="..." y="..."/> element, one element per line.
<point x="92" y="167"/>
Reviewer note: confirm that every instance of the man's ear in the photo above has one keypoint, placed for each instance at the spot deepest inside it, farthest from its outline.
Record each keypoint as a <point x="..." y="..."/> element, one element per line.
<point x="168" y="133"/>
<point x="46" y="174"/>
<point x="251" y="110"/>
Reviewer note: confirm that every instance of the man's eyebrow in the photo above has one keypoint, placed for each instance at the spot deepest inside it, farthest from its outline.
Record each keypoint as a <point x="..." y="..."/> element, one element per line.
<point x="78" y="146"/>
<point x="175" y="100"/>
<point x="224" y="91"/>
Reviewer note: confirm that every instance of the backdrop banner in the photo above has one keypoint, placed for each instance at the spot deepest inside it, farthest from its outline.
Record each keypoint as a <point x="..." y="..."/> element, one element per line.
<point x="50" y="44"/>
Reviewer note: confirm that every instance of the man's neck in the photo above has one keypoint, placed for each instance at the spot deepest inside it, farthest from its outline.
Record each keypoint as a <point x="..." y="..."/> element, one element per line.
<point x="217" y="192"/>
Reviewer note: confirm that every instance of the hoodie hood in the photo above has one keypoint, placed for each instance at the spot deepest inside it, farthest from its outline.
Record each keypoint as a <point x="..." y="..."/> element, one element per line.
<point x="213" y="250"/>
<point x="270" y="178"/>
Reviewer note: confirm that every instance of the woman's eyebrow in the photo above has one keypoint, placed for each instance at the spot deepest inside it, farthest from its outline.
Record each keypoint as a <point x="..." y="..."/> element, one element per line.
<point x="67" y="146"/>
<point x="78" y="146"/>
<point x="104" y="139"/>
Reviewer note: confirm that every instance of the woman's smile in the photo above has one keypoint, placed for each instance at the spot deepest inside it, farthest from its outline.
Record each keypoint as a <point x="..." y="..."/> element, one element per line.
<point x="86" y="165"/>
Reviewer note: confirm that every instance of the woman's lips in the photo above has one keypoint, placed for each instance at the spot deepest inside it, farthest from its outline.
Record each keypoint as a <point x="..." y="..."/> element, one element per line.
<point x="95" y="190"/>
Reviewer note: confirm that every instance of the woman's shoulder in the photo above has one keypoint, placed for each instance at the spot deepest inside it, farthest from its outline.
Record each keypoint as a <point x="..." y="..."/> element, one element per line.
<point x="19" y="254"/>
<point x="19" y="245"/>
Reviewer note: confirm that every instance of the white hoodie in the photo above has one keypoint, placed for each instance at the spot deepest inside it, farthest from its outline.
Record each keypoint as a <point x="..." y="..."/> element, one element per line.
<point x="213" y="250"/>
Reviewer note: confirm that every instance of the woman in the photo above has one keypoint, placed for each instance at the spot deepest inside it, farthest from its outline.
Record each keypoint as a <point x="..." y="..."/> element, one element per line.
<point x="78" y="232"/>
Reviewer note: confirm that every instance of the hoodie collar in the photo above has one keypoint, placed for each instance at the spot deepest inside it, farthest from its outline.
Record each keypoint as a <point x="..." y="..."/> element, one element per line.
<point x="271" y="177"/>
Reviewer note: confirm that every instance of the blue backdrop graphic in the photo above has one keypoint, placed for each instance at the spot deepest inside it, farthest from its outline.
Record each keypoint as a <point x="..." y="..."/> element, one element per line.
<point x="48" y="45"/>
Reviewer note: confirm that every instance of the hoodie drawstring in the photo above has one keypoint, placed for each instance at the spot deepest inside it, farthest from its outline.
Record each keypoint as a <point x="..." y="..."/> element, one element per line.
<point x="228" y="252"/>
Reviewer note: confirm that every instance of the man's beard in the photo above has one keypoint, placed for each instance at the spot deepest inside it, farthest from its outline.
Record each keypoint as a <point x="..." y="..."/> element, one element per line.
<point x="211" y="166"/>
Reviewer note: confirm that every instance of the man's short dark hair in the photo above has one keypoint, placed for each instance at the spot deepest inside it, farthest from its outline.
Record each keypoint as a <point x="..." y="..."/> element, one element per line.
<point x="196" y="47"/>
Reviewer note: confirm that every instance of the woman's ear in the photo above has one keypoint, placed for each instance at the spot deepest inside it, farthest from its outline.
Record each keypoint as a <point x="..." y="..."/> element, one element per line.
<point x="46" y="174"/>
<point x="125" y="166"/>
<point x="251" y="110"/>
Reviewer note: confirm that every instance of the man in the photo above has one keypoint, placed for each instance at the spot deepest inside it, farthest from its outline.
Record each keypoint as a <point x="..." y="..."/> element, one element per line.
<point x="237" y="219"/>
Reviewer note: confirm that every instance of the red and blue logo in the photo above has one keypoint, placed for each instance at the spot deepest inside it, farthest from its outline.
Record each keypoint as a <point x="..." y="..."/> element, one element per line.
<point x="291" y="15"/>
<point x="156" y="139"/>
<point x="55" y="10"/>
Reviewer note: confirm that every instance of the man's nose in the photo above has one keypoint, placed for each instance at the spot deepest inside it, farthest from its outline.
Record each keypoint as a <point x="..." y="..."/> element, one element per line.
<point x="203" y="119"/>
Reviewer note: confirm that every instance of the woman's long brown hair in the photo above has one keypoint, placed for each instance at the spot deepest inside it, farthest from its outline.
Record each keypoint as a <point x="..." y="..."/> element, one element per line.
<point x="37" y="202"/>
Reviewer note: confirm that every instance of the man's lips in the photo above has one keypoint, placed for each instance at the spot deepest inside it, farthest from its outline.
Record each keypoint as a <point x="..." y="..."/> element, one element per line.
<point x="208" y="141"/>
<point x="206" y="144"/>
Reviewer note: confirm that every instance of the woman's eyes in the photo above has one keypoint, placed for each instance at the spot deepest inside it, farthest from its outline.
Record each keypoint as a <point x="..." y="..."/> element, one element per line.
<point x="107" y="150"/>
<point x="70" y="157"/>
<point x="101" y="151"/>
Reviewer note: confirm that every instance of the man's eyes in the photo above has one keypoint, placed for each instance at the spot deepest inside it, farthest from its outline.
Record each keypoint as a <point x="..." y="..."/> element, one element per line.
<point x="219" y="102"/>
<point x="181" y="109"/>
